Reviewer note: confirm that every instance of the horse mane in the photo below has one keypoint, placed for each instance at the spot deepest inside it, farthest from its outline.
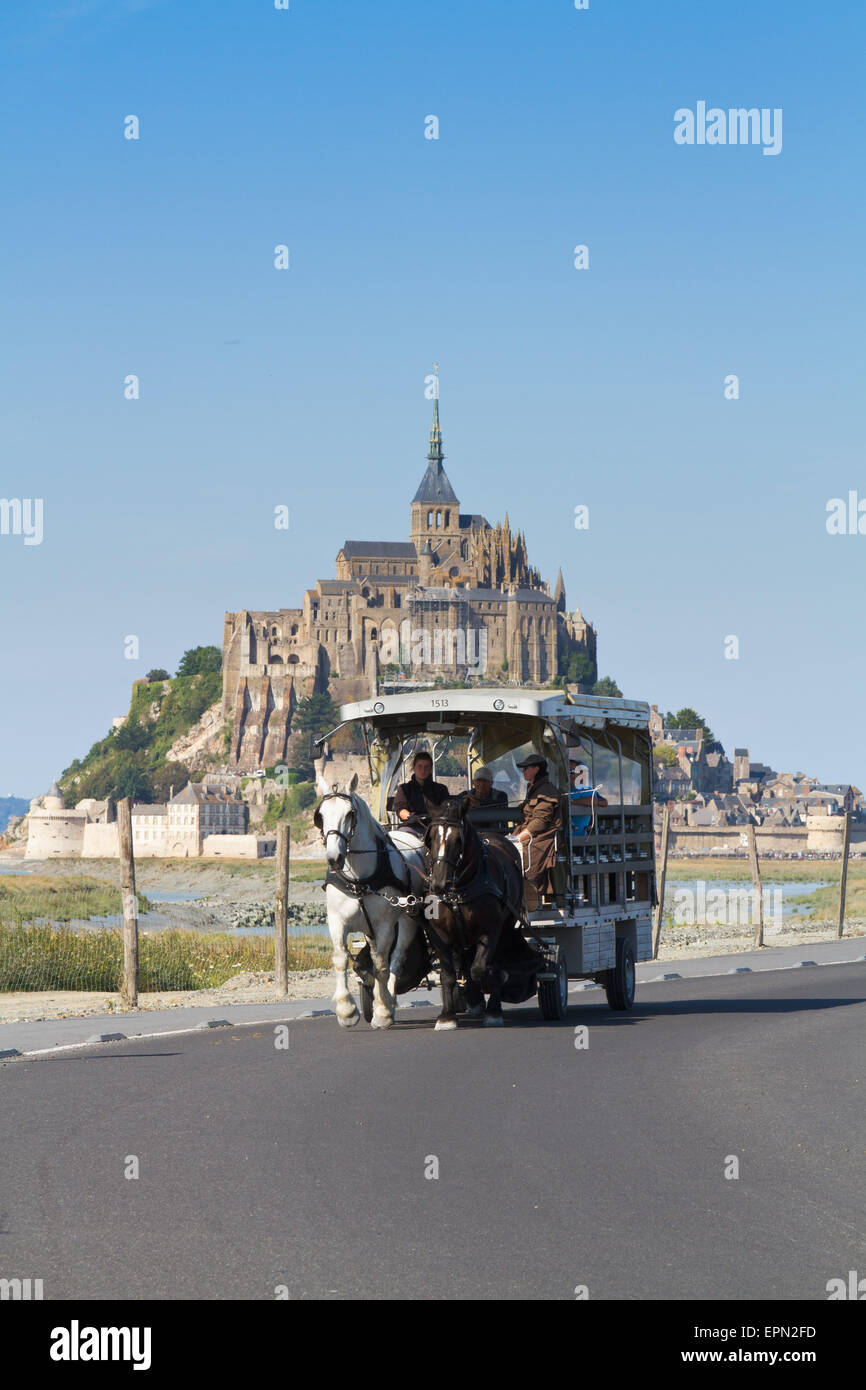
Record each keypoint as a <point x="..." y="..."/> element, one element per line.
<point x="364" y="813"/>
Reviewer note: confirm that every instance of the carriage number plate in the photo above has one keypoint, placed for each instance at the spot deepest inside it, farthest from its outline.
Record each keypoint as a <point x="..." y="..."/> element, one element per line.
<point x="439" y="704"/>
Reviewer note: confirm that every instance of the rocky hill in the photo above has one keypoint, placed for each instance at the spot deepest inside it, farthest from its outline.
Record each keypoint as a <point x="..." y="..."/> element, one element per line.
<point x="173" y="730"/>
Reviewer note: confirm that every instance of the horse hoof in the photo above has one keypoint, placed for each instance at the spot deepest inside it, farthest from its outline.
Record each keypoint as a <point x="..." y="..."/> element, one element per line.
<point x="476" y="1011"/>
<point x="491" y="1021"/>
<point x="444" y="1026"/>
<point x="348" y="1020"/>
<point x="383" y="1021"/>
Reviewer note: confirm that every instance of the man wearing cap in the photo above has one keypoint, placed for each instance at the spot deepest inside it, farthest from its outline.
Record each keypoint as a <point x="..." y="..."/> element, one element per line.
<point x="415" y="800"/>
<point x="483" y="793"/>
<point x="539" y="823"/>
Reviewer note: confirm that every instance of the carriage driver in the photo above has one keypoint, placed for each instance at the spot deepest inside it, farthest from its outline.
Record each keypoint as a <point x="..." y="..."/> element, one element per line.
<point x="415" y="800"/>
<point x="540" y="821"/>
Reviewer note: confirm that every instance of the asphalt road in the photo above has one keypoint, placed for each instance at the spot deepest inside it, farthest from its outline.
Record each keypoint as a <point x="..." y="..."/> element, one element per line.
<point x="558" y="1166"/>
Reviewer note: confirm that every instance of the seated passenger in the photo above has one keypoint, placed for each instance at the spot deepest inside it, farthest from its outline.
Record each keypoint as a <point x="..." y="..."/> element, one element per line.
<point x="539" y="823"/>
<point x="483" y="793"/>
<point x="580" y="796"/>
<point x="416" y="800"/>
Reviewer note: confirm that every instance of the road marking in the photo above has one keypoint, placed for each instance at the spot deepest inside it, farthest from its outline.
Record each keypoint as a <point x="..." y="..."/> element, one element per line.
<point x="319" y="1013"/>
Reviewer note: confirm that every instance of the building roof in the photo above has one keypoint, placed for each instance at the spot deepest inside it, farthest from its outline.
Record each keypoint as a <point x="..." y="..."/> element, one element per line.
<point x="194" y="793"/>
<point x="446" y="595"/>
<point x="434" y="486"/>
<point x="142" y="808"/>
<point x="391" y="550"/>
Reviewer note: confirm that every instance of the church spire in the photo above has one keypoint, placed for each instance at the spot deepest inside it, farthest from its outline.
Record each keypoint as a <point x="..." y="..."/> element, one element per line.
<point x="435" y="452"/>
<point x="435" y="486"/>
<point x="559" y="593"/>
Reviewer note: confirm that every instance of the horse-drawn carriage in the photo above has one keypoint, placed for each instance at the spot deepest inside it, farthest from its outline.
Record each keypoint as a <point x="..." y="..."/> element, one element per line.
<point x="592" y="916"/>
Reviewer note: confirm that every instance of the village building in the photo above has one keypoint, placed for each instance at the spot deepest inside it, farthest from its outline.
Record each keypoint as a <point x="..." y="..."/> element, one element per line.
<point x="204" y="820"/>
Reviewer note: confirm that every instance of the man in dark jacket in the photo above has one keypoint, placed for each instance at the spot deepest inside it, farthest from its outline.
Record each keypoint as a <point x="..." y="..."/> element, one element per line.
<point x="416" y="800"/>
<point x="483" y="793"/>
<point x="540" y="821"/>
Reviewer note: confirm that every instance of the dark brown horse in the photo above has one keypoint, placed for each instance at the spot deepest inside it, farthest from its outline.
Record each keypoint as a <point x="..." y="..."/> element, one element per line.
<point x="476" y="895"/>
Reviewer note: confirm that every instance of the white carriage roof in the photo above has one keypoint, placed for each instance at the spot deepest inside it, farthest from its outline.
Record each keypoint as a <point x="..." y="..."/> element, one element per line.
<point x="590" y="710"/>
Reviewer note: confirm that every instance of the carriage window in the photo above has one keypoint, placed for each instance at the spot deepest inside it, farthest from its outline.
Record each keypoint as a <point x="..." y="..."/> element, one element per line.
<point x="507" y="776"/>
<point x="603" y="765"/>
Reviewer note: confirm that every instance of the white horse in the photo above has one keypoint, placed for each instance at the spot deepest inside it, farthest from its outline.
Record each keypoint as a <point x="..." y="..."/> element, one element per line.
<point x="358" y="849"/>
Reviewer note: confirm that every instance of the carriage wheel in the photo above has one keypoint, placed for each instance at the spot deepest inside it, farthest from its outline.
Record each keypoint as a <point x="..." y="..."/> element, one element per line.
<point x="619" y="982"/>
<point x="365" y="995"/>
<point x="553" y="994"/>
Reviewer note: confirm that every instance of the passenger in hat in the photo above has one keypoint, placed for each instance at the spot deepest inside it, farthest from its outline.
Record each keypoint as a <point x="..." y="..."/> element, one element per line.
<point x="540" y="820"/>
<point x="416" y="800"/>
<point x="483" y="793"/>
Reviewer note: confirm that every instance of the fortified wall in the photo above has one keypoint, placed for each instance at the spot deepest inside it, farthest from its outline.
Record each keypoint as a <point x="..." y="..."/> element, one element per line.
<point x="820" y="838"/>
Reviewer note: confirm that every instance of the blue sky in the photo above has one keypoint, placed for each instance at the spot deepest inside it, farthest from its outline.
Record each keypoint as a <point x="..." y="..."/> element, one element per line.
<point x="559" y="387"/>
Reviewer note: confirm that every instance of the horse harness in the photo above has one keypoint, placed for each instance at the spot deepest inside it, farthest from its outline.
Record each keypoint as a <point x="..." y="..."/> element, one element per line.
<point x="382" y="875"/>
<point x="482" y="883"/>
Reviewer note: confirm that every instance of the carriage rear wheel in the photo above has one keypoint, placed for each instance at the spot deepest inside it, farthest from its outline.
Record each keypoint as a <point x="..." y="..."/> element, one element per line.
<point x="553" y="994"/>
<point x="366" y="997"/>
<point x="619" y="982"/>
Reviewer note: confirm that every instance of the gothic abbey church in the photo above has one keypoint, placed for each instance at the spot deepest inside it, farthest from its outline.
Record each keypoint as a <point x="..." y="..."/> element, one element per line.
<point x="459" y="600"/>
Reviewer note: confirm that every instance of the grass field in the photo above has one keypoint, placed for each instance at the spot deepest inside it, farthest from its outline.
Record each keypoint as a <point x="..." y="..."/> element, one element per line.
<point x="823" y="901"/>
<point x="40" y="897"/>
<point x="58" y="958"/>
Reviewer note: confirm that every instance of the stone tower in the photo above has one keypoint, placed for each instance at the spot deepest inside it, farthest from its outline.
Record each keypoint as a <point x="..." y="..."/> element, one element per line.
<point x="435" y="509"/>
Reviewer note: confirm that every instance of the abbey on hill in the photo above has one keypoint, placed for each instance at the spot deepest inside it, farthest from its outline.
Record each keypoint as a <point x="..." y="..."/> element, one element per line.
<point x="458" y="600"/>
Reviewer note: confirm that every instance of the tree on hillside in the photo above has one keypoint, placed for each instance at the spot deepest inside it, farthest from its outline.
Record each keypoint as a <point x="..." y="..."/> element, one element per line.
<point x="129" y="778"/>
<point x="200" y="661"/>
<point x="665" y="753"/>
<point x="579" y="668"/>
<point x="688" y="718"/>
<point x="314" y="716"/>
<point x="131" y="737"/>
<point x="607" y="686"/>
<point x="166" y="776"/>
<point x="158" y="674"/>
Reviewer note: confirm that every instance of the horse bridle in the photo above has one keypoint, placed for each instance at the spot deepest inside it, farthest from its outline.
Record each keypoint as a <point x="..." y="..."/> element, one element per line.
<point x="452" y="823"/>
<point x="343" y="835"/>
<point x="353" y="820"/>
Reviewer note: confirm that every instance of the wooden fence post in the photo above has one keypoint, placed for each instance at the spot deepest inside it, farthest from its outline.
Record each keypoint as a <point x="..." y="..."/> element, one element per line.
<point x="843" y="877"/>
<point x="661" y="874"/>
<point x="281" y="904"/>
<point x="756" y="882"/>
<point x="129" y="983"/>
